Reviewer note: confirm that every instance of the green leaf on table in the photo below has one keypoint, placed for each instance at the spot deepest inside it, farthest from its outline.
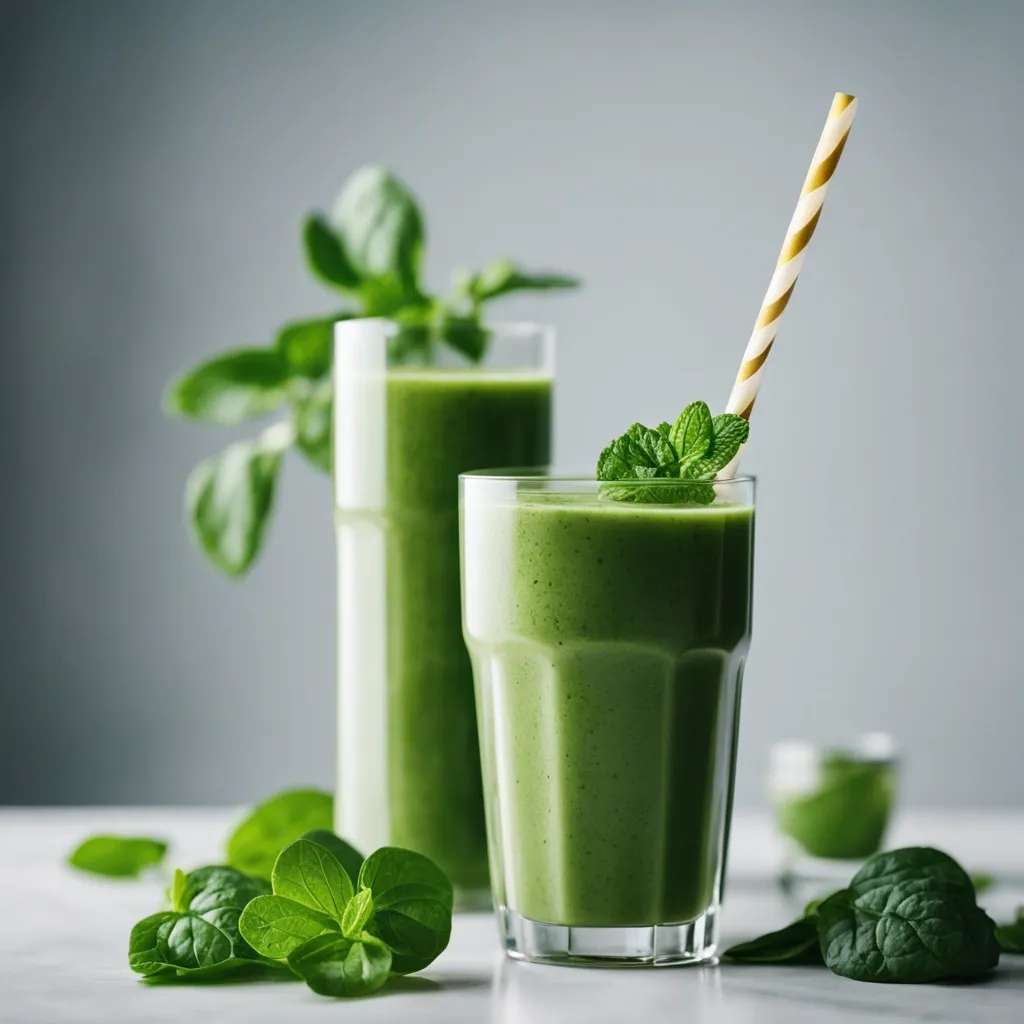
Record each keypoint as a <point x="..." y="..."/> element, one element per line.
<point x="502" y="276"/>
<point x="231" y="387"/>
<point x="325" y="254"/>
<point x="412" y="900"/>
<point x="908" y="916"/>
<point x="228" y="500"/>
<point x="981" y="881"/>
<point x="275" y="926"/>
<point x="1011" y="936"/>
<point x="307" y="346"/>
<point x="270" y="826"/>
<point x="337" y="965"/>
<point x="200" y="937"/>
<point x="357" y="914"/>
<point x="310" y="874"/>
<point x="117" y="856"/>
<point x="797" y="943"/>
<point x="692" y="434"/>
<point x="380" y="229"/>
<point x="314" y="425"/>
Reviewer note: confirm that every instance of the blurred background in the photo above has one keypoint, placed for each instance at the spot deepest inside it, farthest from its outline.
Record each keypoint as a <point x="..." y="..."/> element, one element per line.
<point x="157" y="161"/>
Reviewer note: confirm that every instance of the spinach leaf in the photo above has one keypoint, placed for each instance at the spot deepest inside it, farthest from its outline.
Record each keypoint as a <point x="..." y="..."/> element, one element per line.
<point x="797" y="943"/>
<point x="228" y="499"/>
<point x="310" y="874"/>
<point x="306" y="346"/>
<point x="275" y="926"/>
<point x="230" y="388"/>
<point x="348" y="856"/>
<point x="199" y="936"/>
<point x="381" y="232"/>
<point x="117" y="856"/>
<point x="336" y="965"/>
<point x="908" y="916"/>
<point x="1011" y="936"/>
<point x="357" y="914"/>
<point x="254" y="845"/>
<point x="502" y="276"/>
<point x="313" y="424"/>
<point x="325" y="254"/>
<point x="412" y="899"/>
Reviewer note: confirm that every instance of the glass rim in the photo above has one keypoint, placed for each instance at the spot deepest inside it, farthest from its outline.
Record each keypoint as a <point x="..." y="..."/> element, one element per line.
<point x="525" y="474"/>
<point x="509" y="328"/>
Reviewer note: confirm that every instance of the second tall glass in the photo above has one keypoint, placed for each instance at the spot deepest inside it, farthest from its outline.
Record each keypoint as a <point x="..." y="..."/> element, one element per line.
<point x="408" y="758"/>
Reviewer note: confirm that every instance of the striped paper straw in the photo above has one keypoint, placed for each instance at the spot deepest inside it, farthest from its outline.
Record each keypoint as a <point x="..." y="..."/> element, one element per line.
<point x="791" y="259"/>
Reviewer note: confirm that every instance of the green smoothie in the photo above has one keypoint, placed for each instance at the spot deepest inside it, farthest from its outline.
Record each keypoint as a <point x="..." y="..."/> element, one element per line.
<point x="438" y="424"/>
<point x="608" y="640"/>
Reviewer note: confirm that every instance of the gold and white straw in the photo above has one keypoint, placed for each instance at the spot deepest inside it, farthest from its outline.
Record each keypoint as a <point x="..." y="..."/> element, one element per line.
<point x="791" y="259"/>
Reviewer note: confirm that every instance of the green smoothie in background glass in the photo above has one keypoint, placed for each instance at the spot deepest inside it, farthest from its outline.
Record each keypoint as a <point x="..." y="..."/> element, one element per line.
<point x="834" y="803"/>
<point x="608" y="639"/>
<point x="409" y="764"/>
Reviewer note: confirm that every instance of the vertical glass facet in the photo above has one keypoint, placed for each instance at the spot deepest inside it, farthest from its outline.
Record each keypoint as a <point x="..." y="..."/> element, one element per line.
<point x="608" y="639"/>
<point x="404" y="428"/>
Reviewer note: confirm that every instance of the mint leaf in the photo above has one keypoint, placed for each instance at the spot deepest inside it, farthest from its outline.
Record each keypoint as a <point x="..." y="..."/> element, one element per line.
<point x="797" y="943"/>
<point x="380" y="229"/>
<point x="200" y="936"/>
<point x="412" y="900"/>
<point x="310" y="874"/>
<point x="325" y="254"/>
<point x="337" y="965"/>
<point x="730" y="434"/>
<point x="271" y="825"/>
<point x="357" y="914"/>
<point x="641" y="453"/>
<point x="230" y="388"/>
<point x="465" y="335"/>
<point x="692" y="434"/>
<point x="275" y="926"/>
<point x="908" y="916"/>
<point x="307" y="346"/>
<point x="117" y="856"/>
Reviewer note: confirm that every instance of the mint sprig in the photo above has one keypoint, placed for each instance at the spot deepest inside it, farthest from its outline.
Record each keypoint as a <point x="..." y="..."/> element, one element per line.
<point x="694" y="449"/>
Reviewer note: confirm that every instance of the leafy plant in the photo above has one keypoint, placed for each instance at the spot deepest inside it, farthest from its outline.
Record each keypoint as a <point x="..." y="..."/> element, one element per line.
<point x="908" y="916"/>
<point x="270" y="826"/>
<point x="117" y="856"/>
<point x="345" y="938"/>
<point x="369" y="249"/>
<point x="695" y="448"/>
<point x="198" y="938"/>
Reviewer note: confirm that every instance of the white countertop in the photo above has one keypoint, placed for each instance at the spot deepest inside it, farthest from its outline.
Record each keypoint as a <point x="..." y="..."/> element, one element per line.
<point x="64" y="937"/>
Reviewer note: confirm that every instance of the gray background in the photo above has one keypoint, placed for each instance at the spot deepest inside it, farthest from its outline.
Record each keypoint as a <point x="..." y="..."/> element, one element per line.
<point x="157" y="159"/>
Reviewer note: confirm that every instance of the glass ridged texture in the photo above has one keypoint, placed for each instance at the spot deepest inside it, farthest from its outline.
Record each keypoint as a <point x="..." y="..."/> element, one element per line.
<point x="408" y="757"/>
<point x="608" y="640"/>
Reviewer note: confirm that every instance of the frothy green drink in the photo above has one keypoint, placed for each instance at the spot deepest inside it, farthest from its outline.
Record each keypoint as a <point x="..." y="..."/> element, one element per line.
<point x="409" y="763"/>
<point x="608" y="640"/>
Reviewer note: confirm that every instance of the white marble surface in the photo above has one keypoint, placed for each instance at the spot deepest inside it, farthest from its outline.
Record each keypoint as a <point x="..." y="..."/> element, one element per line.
<point x="63" y="946"/>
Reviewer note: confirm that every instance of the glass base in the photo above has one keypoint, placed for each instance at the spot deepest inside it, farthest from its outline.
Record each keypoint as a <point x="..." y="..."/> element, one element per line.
<point x="659" y="945"/>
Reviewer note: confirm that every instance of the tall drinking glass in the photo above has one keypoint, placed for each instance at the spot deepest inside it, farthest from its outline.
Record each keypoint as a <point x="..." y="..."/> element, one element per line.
<point x="408" y="756"/>
<point x="608" y="639"/>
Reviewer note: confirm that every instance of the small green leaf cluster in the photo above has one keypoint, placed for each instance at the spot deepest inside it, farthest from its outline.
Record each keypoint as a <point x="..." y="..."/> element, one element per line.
<point x="908" y="916"/>
<point x="693" y="449"/>
<point x="369" y="249"/>
<point x="1011" y="936"/>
